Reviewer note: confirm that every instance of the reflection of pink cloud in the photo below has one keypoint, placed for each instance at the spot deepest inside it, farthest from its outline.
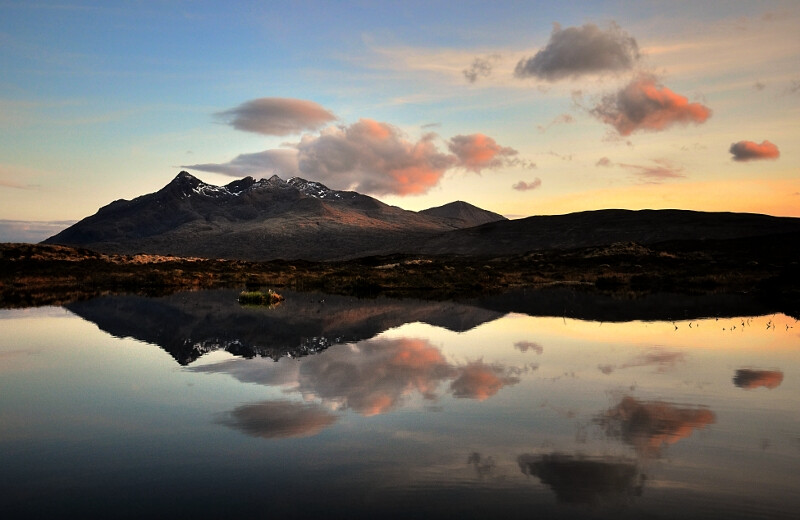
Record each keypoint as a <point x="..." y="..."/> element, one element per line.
<point x="376" y="376"/>
<point x="524" y="346"/>
<point x="477" y="152"/>
<point x="648" y="426"/>
<point x="748" y="379"/>
<point x="748" y="151"/>
<point x="646" y="105"/>
<point x="279" y="419"/>
<point x="477" y="380"/>
<point x="662" y="359"/>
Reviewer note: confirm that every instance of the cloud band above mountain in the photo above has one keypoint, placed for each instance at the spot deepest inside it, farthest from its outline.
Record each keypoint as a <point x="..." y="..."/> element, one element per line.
<point x="373" y="157"/>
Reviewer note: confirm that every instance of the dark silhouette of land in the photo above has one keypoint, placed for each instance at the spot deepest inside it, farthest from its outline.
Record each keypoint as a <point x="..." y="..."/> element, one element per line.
<point x="304" y="236"/>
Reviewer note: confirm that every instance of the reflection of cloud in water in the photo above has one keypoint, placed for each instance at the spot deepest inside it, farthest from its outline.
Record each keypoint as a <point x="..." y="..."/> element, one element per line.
<point x="524" y="346"/>
<point x="483" y="465"/>
<point x="663" y="360"/>
<point x="477" y="380"/>
<point x="375" y="376"/>
<point x="649" y="425"/>
<point x="577" y="480"/>
<point x="748" y="379"/>
<point x="279" y="419"/>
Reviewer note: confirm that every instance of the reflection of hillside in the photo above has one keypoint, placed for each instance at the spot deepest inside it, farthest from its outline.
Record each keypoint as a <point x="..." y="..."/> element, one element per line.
<point x="187" y="325"/>
<point x="375" y="376"/>
<point x="597" y="306"/>
<point x="578" y="480"/>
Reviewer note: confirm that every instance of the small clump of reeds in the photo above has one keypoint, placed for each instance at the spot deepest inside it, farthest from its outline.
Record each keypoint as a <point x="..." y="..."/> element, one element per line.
<point x="268" y="297"/>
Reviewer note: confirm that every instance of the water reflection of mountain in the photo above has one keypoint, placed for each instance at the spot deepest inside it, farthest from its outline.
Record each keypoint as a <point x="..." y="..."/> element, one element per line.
<point x="187" y="325"/>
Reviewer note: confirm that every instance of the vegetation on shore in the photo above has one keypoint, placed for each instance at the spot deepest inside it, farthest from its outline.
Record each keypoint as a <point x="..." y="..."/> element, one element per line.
<point x="267" y="298"/>
<point x="35" y="274"/>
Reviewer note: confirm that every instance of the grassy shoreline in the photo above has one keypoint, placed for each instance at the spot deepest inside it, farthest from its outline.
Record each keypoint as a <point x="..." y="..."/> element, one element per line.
<point x="35" y="274"/>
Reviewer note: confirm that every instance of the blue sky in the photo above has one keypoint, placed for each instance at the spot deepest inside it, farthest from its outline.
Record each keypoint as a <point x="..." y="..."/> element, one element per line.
<point x="108" y="100"/>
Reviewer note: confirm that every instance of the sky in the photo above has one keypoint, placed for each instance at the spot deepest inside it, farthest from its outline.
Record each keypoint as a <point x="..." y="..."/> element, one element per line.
<point x="519" y="107"/>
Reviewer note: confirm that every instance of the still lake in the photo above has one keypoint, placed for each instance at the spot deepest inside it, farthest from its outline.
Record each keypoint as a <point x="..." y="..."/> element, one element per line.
<point x="548" y="405"/>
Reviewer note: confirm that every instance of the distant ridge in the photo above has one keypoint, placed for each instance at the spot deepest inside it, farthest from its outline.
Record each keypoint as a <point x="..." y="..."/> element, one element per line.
<point x="604" y="227"/>
<point x="464" y="212"/>
<point x="273" y="218"/>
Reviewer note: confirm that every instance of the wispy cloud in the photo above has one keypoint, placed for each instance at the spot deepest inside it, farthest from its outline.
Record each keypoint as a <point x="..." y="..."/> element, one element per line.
<point x="577" y="51"/>
<point x="31" y="232"/>
<point x="561" y="119"/>
<point x="526" y="186"/>
<point x="278" y="161"/>
<point x="604" y="162"/>
<point x="481" y="68"/>
<point x="660" y="171"/>
<point x="662" y="360"/>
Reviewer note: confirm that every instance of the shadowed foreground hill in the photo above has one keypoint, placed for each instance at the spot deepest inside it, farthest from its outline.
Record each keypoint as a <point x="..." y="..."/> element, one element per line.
<point x="603" y="227"/>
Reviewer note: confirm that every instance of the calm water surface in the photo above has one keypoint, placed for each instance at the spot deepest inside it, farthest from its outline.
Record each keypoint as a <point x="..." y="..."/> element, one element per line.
<point x="328" y="406"/>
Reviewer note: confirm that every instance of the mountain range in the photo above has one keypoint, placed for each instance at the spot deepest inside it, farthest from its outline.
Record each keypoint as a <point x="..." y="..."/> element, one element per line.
<point x="300" y="219"/>
<point x="262" y="220"/>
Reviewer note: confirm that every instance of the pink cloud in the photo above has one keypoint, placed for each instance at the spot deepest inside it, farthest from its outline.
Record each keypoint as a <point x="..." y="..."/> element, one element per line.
<point x="748" y="151"/>
<point x="477" y="152"/>
<point x="373" y="157"/>
<point x="645" y="105"/>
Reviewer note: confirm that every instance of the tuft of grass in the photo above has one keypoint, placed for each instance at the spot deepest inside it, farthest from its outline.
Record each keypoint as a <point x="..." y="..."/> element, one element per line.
<point x="268" y="297"/>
